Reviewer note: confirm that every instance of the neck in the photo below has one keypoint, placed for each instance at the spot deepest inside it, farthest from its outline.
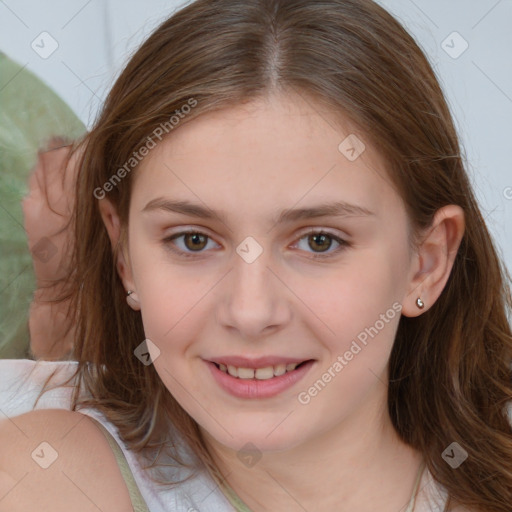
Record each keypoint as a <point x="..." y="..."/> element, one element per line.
<point x="360" y="464"/>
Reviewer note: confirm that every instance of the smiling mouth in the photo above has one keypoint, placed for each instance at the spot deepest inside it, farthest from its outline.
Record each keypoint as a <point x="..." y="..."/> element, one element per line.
<point x="265" y="373"/>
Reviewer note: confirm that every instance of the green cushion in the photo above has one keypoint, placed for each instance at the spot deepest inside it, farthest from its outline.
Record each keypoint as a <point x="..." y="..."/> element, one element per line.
<point x="30" y="114"/>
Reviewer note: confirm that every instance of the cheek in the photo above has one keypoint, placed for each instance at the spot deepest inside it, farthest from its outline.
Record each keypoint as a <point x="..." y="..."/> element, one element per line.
<point x="354" y="295"/>
<point x="167" y="292"/>
<point x="359" y="309"/>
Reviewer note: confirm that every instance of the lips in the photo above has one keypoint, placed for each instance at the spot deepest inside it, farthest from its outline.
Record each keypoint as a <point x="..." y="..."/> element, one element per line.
<point x="260" y="377"/>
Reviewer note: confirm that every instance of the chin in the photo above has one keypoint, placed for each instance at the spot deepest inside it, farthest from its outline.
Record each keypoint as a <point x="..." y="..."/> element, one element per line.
<point x="251" y="436"/>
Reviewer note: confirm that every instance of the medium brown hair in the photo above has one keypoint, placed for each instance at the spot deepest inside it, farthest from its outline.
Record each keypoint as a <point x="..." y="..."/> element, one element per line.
<point x="449" y="370"/>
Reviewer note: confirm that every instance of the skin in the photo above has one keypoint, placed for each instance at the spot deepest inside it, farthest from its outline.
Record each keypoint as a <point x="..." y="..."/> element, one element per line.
<point x="84" y="477"/>
<point x="46" y="210"/>
<point x="251" y="162"/>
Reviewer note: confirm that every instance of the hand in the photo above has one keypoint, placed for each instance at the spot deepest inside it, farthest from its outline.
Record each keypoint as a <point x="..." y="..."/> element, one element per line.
<point x="47" y="210"/>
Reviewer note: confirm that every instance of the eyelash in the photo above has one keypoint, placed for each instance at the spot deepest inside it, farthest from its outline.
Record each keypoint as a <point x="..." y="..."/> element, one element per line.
<point x="343" y="243"/>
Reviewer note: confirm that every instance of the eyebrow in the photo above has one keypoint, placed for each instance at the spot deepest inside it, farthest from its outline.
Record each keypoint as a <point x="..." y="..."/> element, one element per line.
<point x="334" y="209"/>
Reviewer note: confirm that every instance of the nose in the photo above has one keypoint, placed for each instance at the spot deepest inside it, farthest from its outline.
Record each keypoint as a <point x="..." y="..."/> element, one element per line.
<point x="253" y="300"/>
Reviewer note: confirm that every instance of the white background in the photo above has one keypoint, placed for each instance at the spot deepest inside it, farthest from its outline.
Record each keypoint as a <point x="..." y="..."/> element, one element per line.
<point x="96" y="37"/>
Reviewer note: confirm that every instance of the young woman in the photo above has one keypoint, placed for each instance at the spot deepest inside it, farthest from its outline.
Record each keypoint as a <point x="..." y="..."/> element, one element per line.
<point x="285" y="295"/>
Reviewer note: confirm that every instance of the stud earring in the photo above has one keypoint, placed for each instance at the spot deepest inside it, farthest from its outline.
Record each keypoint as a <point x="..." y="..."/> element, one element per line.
<point x="420" y="303"/>
<point x="134" y="302"/>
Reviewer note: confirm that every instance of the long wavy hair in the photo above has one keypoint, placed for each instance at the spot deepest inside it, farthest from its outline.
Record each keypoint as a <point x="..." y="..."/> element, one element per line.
<point x="450" y="368"/>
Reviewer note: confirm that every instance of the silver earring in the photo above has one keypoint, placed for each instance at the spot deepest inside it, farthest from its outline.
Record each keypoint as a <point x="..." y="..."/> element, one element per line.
<point x="420" y="303"/>
<point x="134" y="302"/>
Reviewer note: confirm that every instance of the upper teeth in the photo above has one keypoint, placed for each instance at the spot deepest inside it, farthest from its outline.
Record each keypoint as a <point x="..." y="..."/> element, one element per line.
<point x="259" y="373"/>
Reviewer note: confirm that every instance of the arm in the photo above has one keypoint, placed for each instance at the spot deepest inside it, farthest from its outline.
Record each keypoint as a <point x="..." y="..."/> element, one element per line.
<point x="47" y="211"/>
<point x="84" y="476"/>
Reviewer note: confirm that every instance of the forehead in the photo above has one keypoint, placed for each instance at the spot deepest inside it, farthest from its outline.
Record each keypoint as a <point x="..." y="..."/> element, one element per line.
<point x="280" y="150"/>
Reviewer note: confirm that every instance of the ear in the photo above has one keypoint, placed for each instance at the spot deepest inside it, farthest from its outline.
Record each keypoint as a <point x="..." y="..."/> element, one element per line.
<point x="434" y="259"/>
<point x="112" y="223"/>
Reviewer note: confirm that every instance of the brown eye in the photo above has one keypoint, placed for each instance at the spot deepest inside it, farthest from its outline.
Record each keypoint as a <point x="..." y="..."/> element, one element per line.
<point x="187" y="243"/>
<point x="195" y="241"/>
<point x="190" y="242"/>
<point x="320" y="241"/>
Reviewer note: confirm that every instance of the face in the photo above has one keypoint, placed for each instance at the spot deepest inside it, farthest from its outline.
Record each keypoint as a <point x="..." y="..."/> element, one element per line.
<point x="253" y="291"/>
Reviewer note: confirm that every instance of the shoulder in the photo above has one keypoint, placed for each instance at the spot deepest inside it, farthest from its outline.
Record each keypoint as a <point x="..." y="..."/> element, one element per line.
<point x="57" y="460"/>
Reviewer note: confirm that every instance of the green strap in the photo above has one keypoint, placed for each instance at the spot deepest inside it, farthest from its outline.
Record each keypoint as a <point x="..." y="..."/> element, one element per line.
<point x="138" y="503"/>
<point x="234" y="499"/>
<point x="229" y="493"/>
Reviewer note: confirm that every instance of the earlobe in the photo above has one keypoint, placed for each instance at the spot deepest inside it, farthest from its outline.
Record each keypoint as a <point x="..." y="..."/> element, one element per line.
<point x="435" y="258"/>
<point x="133" y="300"/>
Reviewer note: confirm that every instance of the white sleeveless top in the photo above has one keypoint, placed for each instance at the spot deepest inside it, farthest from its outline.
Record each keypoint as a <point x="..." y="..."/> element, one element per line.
<point x="21" y="380"/>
